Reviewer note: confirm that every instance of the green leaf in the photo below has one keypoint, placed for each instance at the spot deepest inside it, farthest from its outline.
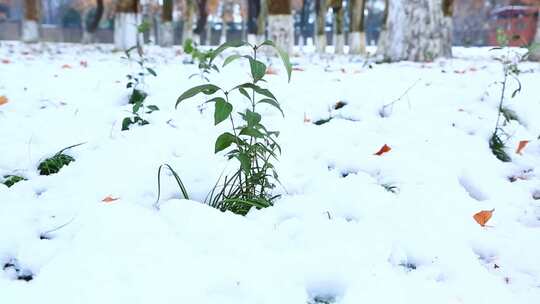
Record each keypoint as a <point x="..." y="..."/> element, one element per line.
<point x="137" y="96"/>
<point x="126" y="123"/>
<point x="272" y="103"/>
<point x="143" y="27"/>
<point x="151" y="71"/>
<point x="245" y="163"/>
<point x="257" y="89"/>
<point x="231" y="59"/>
<point x="152" y="108"/>
<point x="224" y="141"/>
<point x="188" y="46"/>
<point x="207" y="89"/>
<point x="222" y="111"/>
<point x="251" y="132"/>
<point x="258" y="69"/>
<point x="245" y="93"/>
<point x="137" y="106"/>
<point x="225" y="46"/>
<point x="284" y="57"/>
<point x="252" y="118"/>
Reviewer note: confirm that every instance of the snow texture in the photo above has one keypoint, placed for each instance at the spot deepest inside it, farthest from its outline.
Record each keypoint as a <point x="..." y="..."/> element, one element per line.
<point x="351" y="227"/>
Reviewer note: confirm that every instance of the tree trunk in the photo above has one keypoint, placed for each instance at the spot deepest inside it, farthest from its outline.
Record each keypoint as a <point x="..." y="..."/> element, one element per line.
<point x="166" y="37"/>
<point x="535" y="50"/>
<point x="321" y="8"/>
<point x="202" y="19"/>
<point x="254" y="8"/>
<point x="304" y="16"/>
<point x="280" y="24"/>
<point x="357" y="38"/>
<point x="339" y="41"/>
<point x="261" y="20"/>
<point x="416" y="30"/>
<point x="224" y="25"/>
<point x="30" y="24"/>
<point x="187" y="32"/>
<point x="126" y="22"/>
<point x="90" y="30"/>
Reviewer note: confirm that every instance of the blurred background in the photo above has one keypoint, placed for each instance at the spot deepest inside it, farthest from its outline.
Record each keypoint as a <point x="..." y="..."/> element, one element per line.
<point x="475" y="22"/>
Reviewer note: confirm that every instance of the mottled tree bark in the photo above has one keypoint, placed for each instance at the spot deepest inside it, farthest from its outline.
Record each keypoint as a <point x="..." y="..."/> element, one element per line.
<point x="254" y="8"/>
<point x="417" y="30"/>
<point x="166" y="36"/>
<point x="535" y="52"/>
<point x="339" y="41"/>
<point x="202" y="18"/>
<point x="357" y="38"/>
<point x="30" y="24"/>
<point x="88" y="34"/>
<point x="126" y="22"/>
<point x="280" y="24"/>
<point x="261" y="20"/>
<point x="187" y="32"/>
<point x="321" y="7"/>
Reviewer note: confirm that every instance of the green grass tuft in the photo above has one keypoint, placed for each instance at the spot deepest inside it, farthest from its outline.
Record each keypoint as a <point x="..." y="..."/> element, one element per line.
<point x="11" y="180"/>
<point x="53" y="164"/>
<point x="497" y="148"/>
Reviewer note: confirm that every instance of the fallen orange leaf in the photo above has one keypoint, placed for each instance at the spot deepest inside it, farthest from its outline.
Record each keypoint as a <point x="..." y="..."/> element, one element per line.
<point x="383" y="150"/>
<point x="271" y="71"/>
<point x="66" y="66"/>
<point x="110" y="199"/>
<point x="522" y="144"/>
<point x="306" y="118"/>
<point x="3" y="100"/>
<point x="483" y="217"/>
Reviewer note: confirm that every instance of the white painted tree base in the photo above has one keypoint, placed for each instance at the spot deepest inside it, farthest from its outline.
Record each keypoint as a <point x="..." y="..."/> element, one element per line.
<point x="340" y="44"/>
<point x="166" y="34"/>
<point x="280" y="30"/>
<point x="535" y="52"/>
<point x="416" y="31"/>
<point x="252" y="39"/>
<point x="320" y="43"/>
<point x="88" y="38"/>
<point x="126" y="34"/>
<point x="357" y="43"/>
<point x="30" y="31"/>
<point x="301" y="41"/>
<point x="197" y="39"/>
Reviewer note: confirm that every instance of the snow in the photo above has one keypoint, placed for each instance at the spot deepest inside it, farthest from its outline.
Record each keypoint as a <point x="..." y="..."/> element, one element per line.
<point x="335" y="235"/>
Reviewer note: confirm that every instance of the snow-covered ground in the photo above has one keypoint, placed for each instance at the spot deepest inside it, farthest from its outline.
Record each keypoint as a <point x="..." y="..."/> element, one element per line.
<point x="336" y="235"/>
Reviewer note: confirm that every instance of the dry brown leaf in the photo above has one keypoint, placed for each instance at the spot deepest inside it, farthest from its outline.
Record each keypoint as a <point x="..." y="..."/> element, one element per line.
<point x="110" y="199"/>
<point x="298" y="69"/>
<point x="383" y="150"/>
<point x="522" y="144"/>
<point x="6" y="61"/>
<point x="483" y="217"/>
<point x="66" y="66"/>
<point x="3" y="100"/>
<point x="84" y="63"/>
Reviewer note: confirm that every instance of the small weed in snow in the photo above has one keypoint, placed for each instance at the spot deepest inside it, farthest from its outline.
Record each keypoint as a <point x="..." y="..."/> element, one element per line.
<point x="10" y="180"/>
<point x="138" y="95"/>
<point x="251" y="143"/>
<point x="54" y="163"/>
